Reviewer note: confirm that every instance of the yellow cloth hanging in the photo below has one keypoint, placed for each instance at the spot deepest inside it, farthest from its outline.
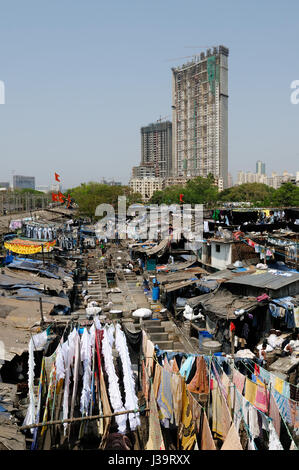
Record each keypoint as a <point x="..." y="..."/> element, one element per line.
<point x="278" y="384"/>
<point x="188" y="438"/>
<point x="250" y="391"/>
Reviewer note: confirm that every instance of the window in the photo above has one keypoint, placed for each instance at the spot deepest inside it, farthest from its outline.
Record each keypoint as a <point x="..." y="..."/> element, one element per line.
<point x="217" y="248"/>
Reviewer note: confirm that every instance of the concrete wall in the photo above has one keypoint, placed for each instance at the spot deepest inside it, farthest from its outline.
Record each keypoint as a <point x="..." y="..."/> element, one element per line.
<point x="220" y="260"/>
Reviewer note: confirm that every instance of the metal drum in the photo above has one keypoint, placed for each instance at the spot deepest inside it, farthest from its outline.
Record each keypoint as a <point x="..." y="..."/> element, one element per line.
<point x="210" y="346"/>
<point x="116" y="314"/>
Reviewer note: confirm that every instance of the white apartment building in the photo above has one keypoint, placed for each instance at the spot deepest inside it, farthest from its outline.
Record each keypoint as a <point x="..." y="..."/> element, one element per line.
<point x="146" y="186"/>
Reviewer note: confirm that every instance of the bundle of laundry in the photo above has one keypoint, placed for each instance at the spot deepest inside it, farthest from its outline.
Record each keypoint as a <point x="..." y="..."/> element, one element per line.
<point x="189" y="314"/>
<point x="142" y="313"/>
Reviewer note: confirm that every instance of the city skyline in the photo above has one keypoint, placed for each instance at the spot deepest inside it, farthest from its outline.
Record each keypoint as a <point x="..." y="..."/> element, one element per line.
<point x="77" y="75"/>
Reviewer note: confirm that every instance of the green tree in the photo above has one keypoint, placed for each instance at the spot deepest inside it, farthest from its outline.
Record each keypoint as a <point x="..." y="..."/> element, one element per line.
<point x="89" y="195"/>
<point x="287" y="195"/>
<point x="258" y="193"/>
<point x="196" y="191"/>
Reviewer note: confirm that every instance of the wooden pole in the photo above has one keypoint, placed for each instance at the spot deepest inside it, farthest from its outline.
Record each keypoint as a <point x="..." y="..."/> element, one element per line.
<point x="41" y="310"/>
<point x="77" y="420"/>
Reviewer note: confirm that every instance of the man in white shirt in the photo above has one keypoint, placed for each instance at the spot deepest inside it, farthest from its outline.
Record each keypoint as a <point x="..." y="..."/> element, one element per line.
<point x="293" y="345"/>
<point x="275" y="339"/>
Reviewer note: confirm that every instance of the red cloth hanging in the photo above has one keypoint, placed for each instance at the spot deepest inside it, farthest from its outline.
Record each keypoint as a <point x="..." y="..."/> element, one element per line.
<point x="99" y="337"/>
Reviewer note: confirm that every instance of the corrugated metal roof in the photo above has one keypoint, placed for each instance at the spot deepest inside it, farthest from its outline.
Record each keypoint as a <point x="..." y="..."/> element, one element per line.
<point x="265" y="280"/>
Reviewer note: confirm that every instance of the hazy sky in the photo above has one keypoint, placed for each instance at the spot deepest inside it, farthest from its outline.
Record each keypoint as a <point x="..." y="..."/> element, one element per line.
<point x="82" y="77"/>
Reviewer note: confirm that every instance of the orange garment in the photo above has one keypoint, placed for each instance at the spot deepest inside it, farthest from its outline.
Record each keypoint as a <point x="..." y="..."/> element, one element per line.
<point x="199" y="383"/>
<point x="157" y="379"/>
<point x="175" y="367"/>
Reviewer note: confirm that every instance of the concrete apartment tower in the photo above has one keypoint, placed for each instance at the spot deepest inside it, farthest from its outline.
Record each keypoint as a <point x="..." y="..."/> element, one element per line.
<point x="200" y="116"/>
<point x="156" y="148"/>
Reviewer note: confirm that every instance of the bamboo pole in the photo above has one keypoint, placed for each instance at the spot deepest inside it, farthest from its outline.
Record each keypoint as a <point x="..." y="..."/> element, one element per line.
<point x="83" y="418"/>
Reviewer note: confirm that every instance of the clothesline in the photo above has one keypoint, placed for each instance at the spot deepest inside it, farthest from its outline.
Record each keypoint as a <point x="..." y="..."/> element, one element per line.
<point x="82" y="418"/>
<point x="286" y="427"/>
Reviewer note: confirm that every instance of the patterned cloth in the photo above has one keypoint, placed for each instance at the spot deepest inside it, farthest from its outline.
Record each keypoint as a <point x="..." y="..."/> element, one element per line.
<point x="164" y="399"/>
<point x="199" y="383"/>
<point x="155" y="440"/>
<point x="238" y="380"/>
<point x="188" y="437"/>
<point x="176" y="383"/>
<point x="261" y="401"/>
<point x="274" y="414"/>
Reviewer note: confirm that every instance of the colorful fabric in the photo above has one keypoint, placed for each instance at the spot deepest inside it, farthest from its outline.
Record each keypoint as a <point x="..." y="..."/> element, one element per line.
<point x="28" y="247"/>
<point x="238" y="380"/>
<point x="250" y="391"/>
<point x="188" y="437"/>
<point x="232" y="440"/>
<point x="196" y="411"/>
<point x="283" y="406"/>
<point x="286" y="389"/>
<point x="186" y="367"/>
<point x="175" y="367"/>
<point x="164" y="399"/>
<point x="294" y="413"/>
<point x="274" y="414"/>
<point x="261" y="402"/>
<point x="265" y="375"/>
<point x="157" y="379"/>
<point x="155" y="440"/>
<point x="199" y="383"/>
<point x="278" y="384"/>
<point x="176" y="383"/>
<point x="221" y="418"/>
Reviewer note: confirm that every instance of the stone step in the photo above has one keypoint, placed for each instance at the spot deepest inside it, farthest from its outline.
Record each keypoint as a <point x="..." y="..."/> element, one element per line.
<point x="159" y="337"/>
<point x="151" y="323"/>
<point x="178" y="346"/>
<point x="167" y="345"/>
<point x="154" y="329"/>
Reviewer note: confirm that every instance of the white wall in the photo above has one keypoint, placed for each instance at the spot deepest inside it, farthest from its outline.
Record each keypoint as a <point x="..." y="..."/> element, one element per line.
<point x="222" y="259"/>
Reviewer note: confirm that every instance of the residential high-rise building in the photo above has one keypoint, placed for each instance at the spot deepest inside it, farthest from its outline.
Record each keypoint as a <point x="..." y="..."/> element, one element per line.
<point x="156" y="148"/>
<point x="260" y="168"/>
<point x="23" y="182"/>
<point x="146" y="186"/>
<point x="200" y="116"/>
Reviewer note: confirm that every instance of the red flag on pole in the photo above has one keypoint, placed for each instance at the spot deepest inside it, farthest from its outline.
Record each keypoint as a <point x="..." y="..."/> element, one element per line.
<point x="61" y="197"/>
<point x="55" y="197"/>
<point x="57" y="176"/>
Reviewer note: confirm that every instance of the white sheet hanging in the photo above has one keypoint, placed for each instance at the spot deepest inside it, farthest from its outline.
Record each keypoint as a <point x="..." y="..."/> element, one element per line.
<point x="131" y="402"/>
<point x="36" y="342"/>
<point x="86" y="357"/>
<point x="113" y="388"/>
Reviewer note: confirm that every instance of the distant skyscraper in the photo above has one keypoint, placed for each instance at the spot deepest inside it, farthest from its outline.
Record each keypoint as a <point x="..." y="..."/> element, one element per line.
<point x="200" y="116"/>
<point x="156" y="148"/>
<point x="23" y="182"/>
<point x="260" y="168"/>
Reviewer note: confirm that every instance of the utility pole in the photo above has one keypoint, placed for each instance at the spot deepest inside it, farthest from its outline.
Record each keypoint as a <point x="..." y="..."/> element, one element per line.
<point x="41" y="311"/>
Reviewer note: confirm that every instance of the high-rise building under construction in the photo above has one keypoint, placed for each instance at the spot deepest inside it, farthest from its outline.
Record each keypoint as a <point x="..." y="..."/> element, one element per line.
<point x="200" y="116"/>
<point x="156" y="148"/>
